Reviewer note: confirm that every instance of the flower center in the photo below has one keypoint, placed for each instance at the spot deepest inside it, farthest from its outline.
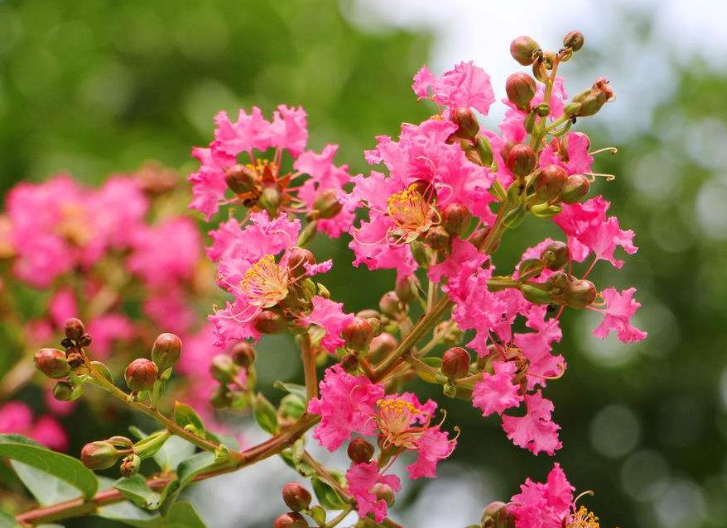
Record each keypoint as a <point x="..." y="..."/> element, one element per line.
<point x="73" y="225"/>
<point x="584" y="519"/>
<point x="395" y="417"/>
<point x="410" y="212"/>
<point x="265" y="284"/>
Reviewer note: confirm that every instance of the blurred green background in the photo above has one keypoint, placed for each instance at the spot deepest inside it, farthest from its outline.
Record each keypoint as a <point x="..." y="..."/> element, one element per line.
<point x="94" y="88"/>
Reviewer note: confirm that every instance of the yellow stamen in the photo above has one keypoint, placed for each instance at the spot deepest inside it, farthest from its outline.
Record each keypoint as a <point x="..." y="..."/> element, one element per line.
<point x="584" y="519"/>
<point x="265" y="284"/>
<point x="395" y="419"/>
<point x="410" y="212"/>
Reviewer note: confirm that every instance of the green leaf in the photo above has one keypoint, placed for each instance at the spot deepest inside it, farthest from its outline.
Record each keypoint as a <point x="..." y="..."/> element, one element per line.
<point x="292" y="388"/>
<point x="318" y="514"/>
<point x="193" y="466"/>
<point x="7" y="520"/>
<point x="45" y="488"/>
<point x="183" y="515"/>
<point x="127" y="513"/>
<point x="327" y="496"/>
<point x="61" y="466"/>
<point x="185" y="417"/>
<point x="138" y="491"/>
<point x="175" y="450"/>
<point x="264" y="414"/>
<point x="292" y="407"/>
<point x="104" y="370"/>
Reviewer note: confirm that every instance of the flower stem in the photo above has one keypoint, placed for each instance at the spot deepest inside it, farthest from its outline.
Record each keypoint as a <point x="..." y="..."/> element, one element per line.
<point x="309" y="367"/>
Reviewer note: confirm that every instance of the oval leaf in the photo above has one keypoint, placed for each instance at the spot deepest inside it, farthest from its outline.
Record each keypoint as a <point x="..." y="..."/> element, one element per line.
<point x="185" y="416"/>
<point x="138" y="491"/>
<point x="183" y="515"/>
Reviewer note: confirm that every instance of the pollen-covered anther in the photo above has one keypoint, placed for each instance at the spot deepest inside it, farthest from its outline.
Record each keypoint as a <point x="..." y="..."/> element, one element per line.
<point x="265" y="284"/>
<point x="395" y="419"/>
<point x="584" y="519"/>
<point x="411" y="213"/>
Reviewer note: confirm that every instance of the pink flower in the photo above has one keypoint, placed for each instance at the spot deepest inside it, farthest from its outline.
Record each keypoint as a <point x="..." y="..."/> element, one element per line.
<point x="536" y="347"/>
<point x="361" y="480"/>
<point x="620" y="307"/>
<point x="464" y="86"/>
<point x="543" y="505"/>
<point x="513" y="128"/>
<point x="330" y="317"/>
<point x="17" y="418"/>
<point x="167" y="254"/>
<point x="49" y="432"/>
<point x="535" y="431"/>
<point x="62" y="306"/>
<point x="106" y="329"/>
<point x="432" y="446"/>
<point x="170" y="309"/>
<point x="347" y="405"/>
<point x="208" y="183"/>
<point x="290" y="129"/>
<point x="577" y="160"/>
<point x="463" y="261"/>
<point x="497" y="392"/>
<point x="248" y="133"/>
<point x="604" y="238"/>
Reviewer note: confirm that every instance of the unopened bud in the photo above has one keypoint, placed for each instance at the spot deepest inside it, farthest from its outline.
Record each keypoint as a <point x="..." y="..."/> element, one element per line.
<point x="456" y="219"/>
<point x="456" y="362"/>
<point x="360" y="451"/>
<point x="270" y="200"/>
<point x="327" y="204"/>
<point x="290" y="520"/>
<point x="406" y="287"/>
<point x="166" y="351"/>
<point x="84" y="340"/>
<point x="223" y="368"/>
<point x="555" y="255"/>
<point x="267" y="322"/>
<point x="575" y="188"/>
<point x="63" y="391"/>
<point x="439" y="240"/>
<point x="297" y="259"/>
<point x="52" y="362"/>
<point x="557" y="283"/>
<point x="580" y="293"/>
<point x="74" y="329"/>
<point x="550" y="182"/>
<point x="384" y="492"/>
<point x="141" y="374"/>
<point x="357" y="333"/>
<point x="296" y="497"/>
<point x="591" y="101"/>
<point x="536" y="294"/>
<point x="243" y="354"/>
<point x="349" y="362"/>
<point x="496" y="515"/>
<point x="467" y="125"/>
<point x="240" y="179"/>
<point x="390" y="304"/>
<point x="382" y="345"/>
<point x="479" y="236"/>
<point x="130" y="466"/>
<point x="574" y="40"/>
<point x="100" y="455"/>
<point x="520" y="88"/>
<point x="523" y="50"/>
<point x="528" y="265"/>
<point x="521" y="160"/>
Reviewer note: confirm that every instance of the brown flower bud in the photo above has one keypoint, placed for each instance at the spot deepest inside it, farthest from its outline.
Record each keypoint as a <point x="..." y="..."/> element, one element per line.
<point x="439" y="240"/>
<point x="290" y="520"/>
<point x="550" y="182"/>
<point x="243" y="354"/>
<point x="580" y="293"/>
<point x="456" y="219"/>
<point x="383" y="491"/>
<point x="141" y="374"/>
<point x="496" y="515"/>
<point x="575" y="188"/>
<point x="456" y="362"/>
<point x="223" y="368"/>
<point x="297" y="259"/>
<point x="268" y="322"/>
<point x="240" y="179"/>
<point x="63" y="391"/>
<point x="74" y="329"/>
<point x="130" y="466"/>
<point x="382" y="345"/>
<point x="406" y="287"/>
<point x="360" y="451"/>
<point x="166" y="351"/>
<point x="296" y="497"/>
<point x="357" y="333"/>
<point x="390" y="304"/>
<point x="555" y="255"/>
<point x="574" y="40"/>
<point x="84" y="340"/>
<point x="521" y="160"/>
<point x="327" y="204"/>
<point x="467" y="125"/>
<point x="520" y="88"/>
<point x="52" y="362"/>
<point x="523" y="50"/>
<point x="479" y="236"/>
<point x="100" y="455"/>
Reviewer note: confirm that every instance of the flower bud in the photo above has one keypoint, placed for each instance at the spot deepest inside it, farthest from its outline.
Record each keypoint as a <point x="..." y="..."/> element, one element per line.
<point x="357" y="333"/>
<point x="520" y="88"/>
<point x="75" y="359"/>
<point x="297" y="259"/>
<point x="456" y="362"/>
<point x="390" y="304"/>
<point x="574" y="40"/>
<point x="523" y="50"/>
<point x="496" y="515"/>
<point x="141" y="374"/>
<point x="166" y="351"/>
<point x="479" y="236"/>
<point x="592" y="100"/>
<point x="557" y="283"/>
<point x="439" y="240"/>
<point x="84" y="340"/>
<point x="223" y="368"/>
<point x="555" y="255"/>
<point x="63" y="391"/>
<point x="243" y="354"/>
<point x="52" y="362"/>
<point x="327" y="204"/>
<point x="455" y="219"/>
<point x="575" y="188"/>
<point x="482" y="153"/>
<point x="240" y="179"/>
<point x="296" y="497"/>
<point x="467" y="125"/>
<point x="130" y="466"/>
<point x="536" y="294"/>
<point x="270" y="200"/>
<point x="290" y="520"/>
<point x="74" y="329"/>
<point x="521" y="160"/>
<point x="550" y="182"/>
<point x="99" y="455"/>
<point x="405" y="288"/>
<point x="383" y="491"/>
<point x="349" y="362"/>
<point x="580" y="293"/>
<point x="382" y="345"/>
<point x="268" y="322"/>
<point x="360" y="451"/>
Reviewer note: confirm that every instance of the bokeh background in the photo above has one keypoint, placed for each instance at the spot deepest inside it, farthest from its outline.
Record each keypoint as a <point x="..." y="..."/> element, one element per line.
<point x="93" y="88"/>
